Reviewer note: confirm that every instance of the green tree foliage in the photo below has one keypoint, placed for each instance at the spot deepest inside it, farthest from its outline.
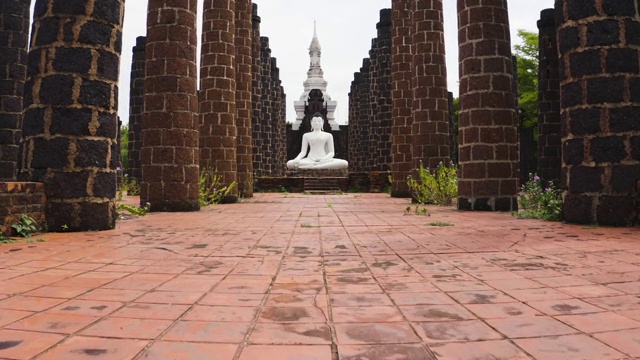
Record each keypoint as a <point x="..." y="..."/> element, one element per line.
<point x="124" y="147"/>
<point x="527" y="54"/>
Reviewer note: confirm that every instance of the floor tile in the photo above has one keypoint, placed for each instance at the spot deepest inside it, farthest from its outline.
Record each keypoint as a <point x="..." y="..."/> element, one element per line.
<point x="86" y="307"/>
<point x="448" y="331"/>
<point x="111" y="295"/>
<point x="521" y="327"/>
<point x="126" y="328"/>
<point x="25" y="344"/>
<point x="290" y="334"/>
<point x="495" y="350"/>
<point x="625" y="341"/>
<point x="170" y="297"/>
<point x="207" y="331"/>
<point x="368" y="314"/>
<point x="387" y="351"/>
<point x="10" y="316"/>
<point x="564" y="307"/>
<point x="151" y="311"/>
<point x="53" y="323"/>
<point x="569" y="347"/>
<point x="420" y="313"/>
<point x="284" y="314"/>
<point x="82" y="348"/>
<point x="375" y="333"/>
<point x="503" y="310"/>
<point x="190" y="351"/>
<point x="599" y="322"/>
<point x="360" y="300"/>
<point x="29" y="303"/>
<point x="221" y="314"/>
<point x="286" y="352"/>
<point x="250" y="300"/>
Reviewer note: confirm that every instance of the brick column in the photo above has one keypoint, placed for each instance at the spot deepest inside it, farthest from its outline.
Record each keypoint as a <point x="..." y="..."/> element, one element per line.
<point x="267" y="110"/>
<point x="244" y="106"/>
<point x="488" y="119"/>
<point x="384" y="114"/>
<point x="371" y="156"/>
<point x="282" y="165"/>
<point x="218" y="130"/>
<point x="71" y="122"/>
<point x="14" y="40"/>
<point x="136" y="108"/>
<point x="430" y="94"/>
<point x="364" y="152"/>
<point x="599" y="48"/>
<point x="169" y="155"/>
<point x="354" y="123"/>
<point x="256" y="95"/>
<point x="549" y="127"/>
<point x="402" y="94"/>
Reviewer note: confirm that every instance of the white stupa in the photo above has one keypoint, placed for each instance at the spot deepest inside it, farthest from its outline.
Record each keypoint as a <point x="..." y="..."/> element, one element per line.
<point x="315" y="80"/>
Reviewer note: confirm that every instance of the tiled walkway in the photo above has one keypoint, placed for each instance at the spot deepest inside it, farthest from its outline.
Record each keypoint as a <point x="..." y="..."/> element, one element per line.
<point x="299" y="277"/>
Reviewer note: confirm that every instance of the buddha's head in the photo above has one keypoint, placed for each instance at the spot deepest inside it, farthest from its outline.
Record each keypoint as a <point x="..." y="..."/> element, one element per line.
<point x="316" y="123"/>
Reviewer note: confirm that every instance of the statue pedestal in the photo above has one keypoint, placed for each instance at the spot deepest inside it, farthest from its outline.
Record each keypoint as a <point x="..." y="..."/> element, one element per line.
<point x="320" y="173"/>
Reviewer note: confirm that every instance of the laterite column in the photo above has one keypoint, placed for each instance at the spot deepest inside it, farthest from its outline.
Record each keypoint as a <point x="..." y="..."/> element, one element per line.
<point x="170" y="172"/>
<point x="218" y="130"/>
<point x="488" y="118"/>
<point x="14" y="40"/>
<point x="402" y="94"/>
<point x="136" y="108"/>
<point x="549" y="127"/>
<point x="384" y="114"/>
<point x="599" y="47"/>
<point x="256" y="94"/>
<point x="71" y="122"/>
<point x="244" y="106"/>
<point x="430" y="94"/>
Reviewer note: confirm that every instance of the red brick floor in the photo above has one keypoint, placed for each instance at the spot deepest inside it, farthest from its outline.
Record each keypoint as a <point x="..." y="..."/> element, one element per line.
<point x="335" y="277"/>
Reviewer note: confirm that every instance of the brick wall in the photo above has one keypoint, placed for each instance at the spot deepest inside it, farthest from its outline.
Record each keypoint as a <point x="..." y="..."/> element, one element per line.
<point x="70" y="122"/>
<point x="169" y="153"/>
<point x="18" y="198"/>
<point x="14" y="39"/>
<point x="488" y="119"/>
<point x="599" y="48"/>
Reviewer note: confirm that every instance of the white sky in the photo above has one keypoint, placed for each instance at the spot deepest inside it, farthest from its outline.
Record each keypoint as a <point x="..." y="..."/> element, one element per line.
<point x="345" y="30"/>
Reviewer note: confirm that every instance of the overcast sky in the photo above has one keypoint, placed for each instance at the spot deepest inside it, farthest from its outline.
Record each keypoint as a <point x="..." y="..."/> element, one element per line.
<point x="345" y="30"/>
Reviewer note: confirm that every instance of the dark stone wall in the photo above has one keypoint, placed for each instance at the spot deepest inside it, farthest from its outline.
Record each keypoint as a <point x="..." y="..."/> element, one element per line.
<point x="256" y="94"/>
<point x="70" y="122"/>
<point x="14" y="39"/>
<point x="169" y="155"/>
<point x="549" y="127"/>
<point x="599" y="48"/>
<point x="488" y="119"/>
<point x="136" y="108"/>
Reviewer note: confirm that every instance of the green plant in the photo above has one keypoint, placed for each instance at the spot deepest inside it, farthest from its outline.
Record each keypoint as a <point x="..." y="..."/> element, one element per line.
<point x="212" y="189"/>
<point x="439" y="187"/>
<point x="129" y="186"/>
<point x="305" y="225"/>
<point x="440" y="223"/>
<point x="537" y="201"/>
<point x="25" y="226"/>
<point x="135" y="210"/>
<point x="417" y="211"/>
<point x="5" y="239"/>
<point x="330" y="205"/>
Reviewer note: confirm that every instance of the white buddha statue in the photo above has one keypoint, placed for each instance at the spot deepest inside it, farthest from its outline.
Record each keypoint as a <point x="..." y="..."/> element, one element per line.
<point x="321" y="150"/>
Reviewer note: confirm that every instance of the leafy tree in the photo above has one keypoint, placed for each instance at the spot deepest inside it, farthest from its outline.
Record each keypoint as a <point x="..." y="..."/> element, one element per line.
<point x="124" y="146"/>
<point x="527" y="54"/>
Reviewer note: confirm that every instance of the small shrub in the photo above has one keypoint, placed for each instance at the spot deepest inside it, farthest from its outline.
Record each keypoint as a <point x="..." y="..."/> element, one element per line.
<point x="25" y="226"/>
<point x="135" y="210"/>
<point x="537" y="201"/>
<point x="440" y="224"/>
<point x="212" y="189"/>
<point x="439" y="187"/>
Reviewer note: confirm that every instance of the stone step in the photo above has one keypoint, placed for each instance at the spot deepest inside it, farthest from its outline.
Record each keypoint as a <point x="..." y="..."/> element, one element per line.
<point x="322" y="184"/>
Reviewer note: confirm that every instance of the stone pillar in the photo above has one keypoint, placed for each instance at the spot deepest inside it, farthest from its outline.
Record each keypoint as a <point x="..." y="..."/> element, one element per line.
<point x="549" y="127"/>
<point x="71" y="121"/>
<point x="267" y="110"/>
<point x="599" y="48"/>
<point x="430" y="93"/>
<point x="169" y="155"/>
<point x="14" y="40"/>
<point x="218" y="130"/>
<point x="453" y="137"/>
<point x="402" y="95"/>
<point x="244" y="106"/>
<point x="364" y="152"/>
<point x="373" y="95"/>
<point x="354" y="123"/>
<point x="488" y="119"/>
<point x="136" y="108"/>
<point x="383" y="117"/>
<point x="256" y="95"/>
